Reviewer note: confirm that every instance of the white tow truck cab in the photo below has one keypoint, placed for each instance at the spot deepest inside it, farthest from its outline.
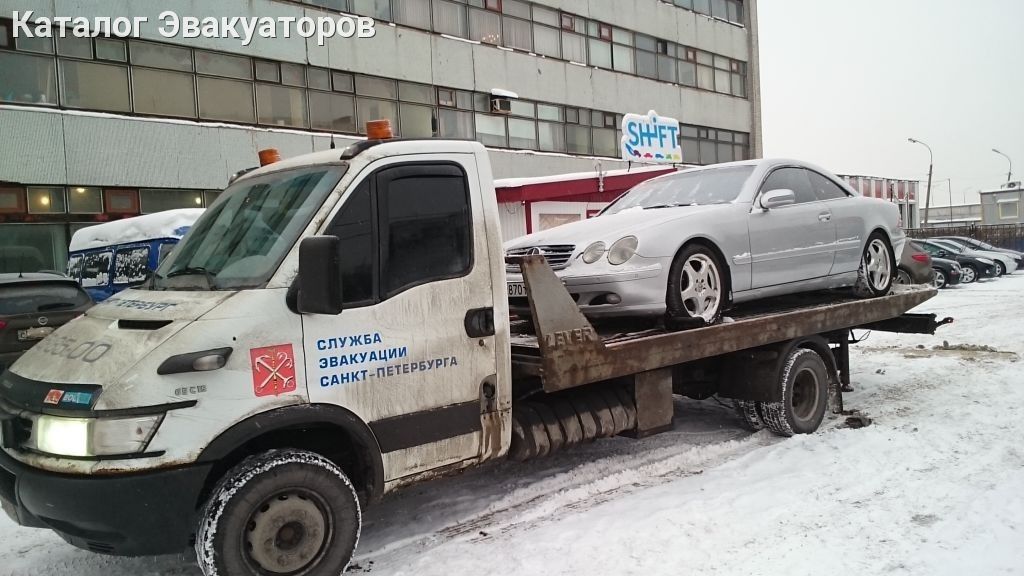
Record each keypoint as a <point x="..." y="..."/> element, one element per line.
<point x="335" y="326"/>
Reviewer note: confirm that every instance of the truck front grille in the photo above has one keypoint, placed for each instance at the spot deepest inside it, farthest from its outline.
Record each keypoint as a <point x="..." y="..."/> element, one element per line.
<point x="557" y="255"/>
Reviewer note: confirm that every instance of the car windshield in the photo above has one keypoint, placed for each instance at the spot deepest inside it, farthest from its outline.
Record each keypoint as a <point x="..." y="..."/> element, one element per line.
<point x="40" y="297"/>
<point x="952" y="246"/>
<point x="241" y="240"/>
<point x="690" y="188"/>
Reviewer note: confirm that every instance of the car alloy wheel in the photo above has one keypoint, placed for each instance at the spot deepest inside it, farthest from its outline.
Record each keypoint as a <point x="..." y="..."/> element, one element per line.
<point x="939" y="279"/>
<point x="1000" y="268"/>
<point x="903" y="278"/>
<point x="877" y="265"/>
<point x="968" y="275"/>
<point x="701" y="287"/>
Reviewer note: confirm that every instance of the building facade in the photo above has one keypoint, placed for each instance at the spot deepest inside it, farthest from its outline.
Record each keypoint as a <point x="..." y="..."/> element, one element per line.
<point x="948" y="216"/>
<point x="108" y="127"/>
<point x="1003" y="205"/>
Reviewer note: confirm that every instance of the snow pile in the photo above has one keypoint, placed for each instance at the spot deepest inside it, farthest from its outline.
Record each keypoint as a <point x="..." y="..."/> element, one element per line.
<point x="166" y="224"/>
<point x="932" y="486"/>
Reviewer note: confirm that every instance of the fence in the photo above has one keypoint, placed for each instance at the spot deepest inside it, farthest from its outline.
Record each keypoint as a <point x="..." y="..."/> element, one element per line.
<point x="1002" y="235"/>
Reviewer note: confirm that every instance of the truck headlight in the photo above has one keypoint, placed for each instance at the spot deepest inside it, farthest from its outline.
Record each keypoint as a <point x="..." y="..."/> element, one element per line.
<point x="594" y="252"/>
<point x="622" y="250"/>
<point x="84" y="437"/>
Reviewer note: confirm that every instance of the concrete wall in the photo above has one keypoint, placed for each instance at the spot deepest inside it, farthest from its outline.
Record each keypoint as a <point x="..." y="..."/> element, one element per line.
<point x="990" y="202"/>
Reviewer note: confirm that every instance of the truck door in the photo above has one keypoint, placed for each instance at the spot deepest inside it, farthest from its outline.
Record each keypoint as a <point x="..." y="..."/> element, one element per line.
<point x="415" y="276"/>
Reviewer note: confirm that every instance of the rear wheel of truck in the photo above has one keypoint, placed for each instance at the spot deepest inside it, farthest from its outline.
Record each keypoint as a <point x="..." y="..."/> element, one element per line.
<point x="804" y="380"/>
<point x="280" y="512"/>
<point x="749" y="417"/>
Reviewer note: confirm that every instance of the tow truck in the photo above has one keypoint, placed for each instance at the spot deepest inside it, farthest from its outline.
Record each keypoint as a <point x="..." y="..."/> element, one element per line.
<point x="336" y="326"/>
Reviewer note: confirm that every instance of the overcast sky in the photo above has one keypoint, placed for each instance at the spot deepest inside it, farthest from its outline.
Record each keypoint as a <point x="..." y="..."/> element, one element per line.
<point x="845" y="83"/>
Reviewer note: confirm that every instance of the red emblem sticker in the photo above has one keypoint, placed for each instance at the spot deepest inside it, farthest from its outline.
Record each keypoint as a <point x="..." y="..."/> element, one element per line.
<point x="53" y="397"/>
<point x="273" y="370"/>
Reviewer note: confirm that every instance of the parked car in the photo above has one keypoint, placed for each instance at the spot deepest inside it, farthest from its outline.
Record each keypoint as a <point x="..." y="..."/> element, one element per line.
<point x="691" y="243"/>
<point x="979" y="245"/>
<point x="915" y="266"/>
<point x="945" y="272"/>
<point x="31" y="306"/>
<point x="972" y="267"/>
<point x="109" y="257"/>
<point x="1005" y="264"/>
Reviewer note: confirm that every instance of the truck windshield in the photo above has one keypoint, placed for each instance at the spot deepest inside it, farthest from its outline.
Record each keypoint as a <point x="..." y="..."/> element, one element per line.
<point x="242" y="239"/>
<point x="696" y="187"/>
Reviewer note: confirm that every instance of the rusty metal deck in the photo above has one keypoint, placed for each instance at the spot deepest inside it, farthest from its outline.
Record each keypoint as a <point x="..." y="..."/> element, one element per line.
<point x="567" y="351"/>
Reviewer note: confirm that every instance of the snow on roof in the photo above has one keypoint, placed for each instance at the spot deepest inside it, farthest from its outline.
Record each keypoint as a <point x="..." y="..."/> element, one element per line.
<point x="517" y="182"/>
<point x="502" y="93"/>
<point x="947" y="220"/>
<point x="166" y="224"/>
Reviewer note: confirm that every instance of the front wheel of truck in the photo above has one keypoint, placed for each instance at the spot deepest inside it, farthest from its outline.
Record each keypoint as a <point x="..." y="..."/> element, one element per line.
<point x="280" y="512"/>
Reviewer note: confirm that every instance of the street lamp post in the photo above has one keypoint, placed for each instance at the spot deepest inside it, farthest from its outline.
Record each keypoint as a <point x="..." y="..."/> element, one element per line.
<point x="1009" y="175"/>
<point x="931" y="164"/>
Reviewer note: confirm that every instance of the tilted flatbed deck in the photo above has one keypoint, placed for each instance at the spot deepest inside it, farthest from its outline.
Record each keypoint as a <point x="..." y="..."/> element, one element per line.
<point x="567" y="351"/>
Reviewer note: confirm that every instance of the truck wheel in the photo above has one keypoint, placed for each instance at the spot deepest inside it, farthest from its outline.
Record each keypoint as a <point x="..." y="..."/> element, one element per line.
<point x="747" y="412"/>
<point x="804" y="395"/>
<point x="877" y="267"/>
<point x="696" y="287"/>
<point x="280" y="512"/>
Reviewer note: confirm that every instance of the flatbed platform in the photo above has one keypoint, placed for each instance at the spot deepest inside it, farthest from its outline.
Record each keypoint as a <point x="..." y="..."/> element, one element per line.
<point x="567" y="351"/>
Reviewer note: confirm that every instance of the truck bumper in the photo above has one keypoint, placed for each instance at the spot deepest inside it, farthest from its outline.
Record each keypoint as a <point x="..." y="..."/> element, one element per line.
<point x="125" y="515"/>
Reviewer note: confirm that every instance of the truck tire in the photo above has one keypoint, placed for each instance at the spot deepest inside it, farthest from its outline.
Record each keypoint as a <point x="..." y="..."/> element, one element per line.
<point x="282" y="511"/>
<point x="877" y="269"/>
<point x="570" y="422"/>
<point x="749" y="417"/>
<point x="556" y="438"/>
<point x="804" y="395"/>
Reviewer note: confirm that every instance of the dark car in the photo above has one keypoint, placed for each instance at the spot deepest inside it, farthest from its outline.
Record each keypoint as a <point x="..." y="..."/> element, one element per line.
<point x="972" y="267"/>
<point x="915" y="266"/>
<point x="979" y="245"/>
<point x="31" y="306"/>
<point x="946" y="272"/>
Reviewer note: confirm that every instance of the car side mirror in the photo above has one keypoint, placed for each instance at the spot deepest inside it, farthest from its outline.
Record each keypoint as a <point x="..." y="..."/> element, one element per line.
<point x="777" y="198"/>
<point x="943" y="254"/>
<point x="320" y="276"/>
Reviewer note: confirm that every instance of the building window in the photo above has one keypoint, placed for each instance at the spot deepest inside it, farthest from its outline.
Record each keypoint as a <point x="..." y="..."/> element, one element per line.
<point x="94" y="86"/>
<point x="226" y="100"/>
<point x="33" y="247"/>
<point x="161" y="56"/>
<point x="121" y="201"/>
<point x="164" y="93"/>
<point x="12" y="200"/>
<point x="27" y="79"/>
<point x="85" y="200"/>
<point x="281" y="106"/>
<point x="158" y="200"/>
<point x="490" y="130"/>
<point x="1009" y="209"/>
<point x="46" y="200"/>
<point x="332" y="112"/>
<point x="372" y="109"/>
<point x="415" y="13"/>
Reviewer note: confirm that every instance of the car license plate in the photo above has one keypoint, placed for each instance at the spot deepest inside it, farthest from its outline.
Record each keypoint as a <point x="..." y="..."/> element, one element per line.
<point x="37" y="333"/>
<point x="516" y="290"/>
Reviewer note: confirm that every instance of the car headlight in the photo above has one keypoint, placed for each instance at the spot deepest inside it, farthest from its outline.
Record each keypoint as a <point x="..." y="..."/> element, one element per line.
<point x="622" y="250"/>
<point x="85" y="437"/>
<point x="594" y="252"/>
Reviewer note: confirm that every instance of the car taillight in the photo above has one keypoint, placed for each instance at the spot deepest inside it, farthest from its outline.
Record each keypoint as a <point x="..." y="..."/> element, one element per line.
<point x="921" y="257"/>
<point x="3" y="324"/>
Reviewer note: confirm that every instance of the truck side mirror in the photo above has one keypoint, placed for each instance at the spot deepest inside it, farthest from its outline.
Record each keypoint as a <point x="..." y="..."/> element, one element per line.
<point x="777" y="198"/>
<point x="320" y="276"/>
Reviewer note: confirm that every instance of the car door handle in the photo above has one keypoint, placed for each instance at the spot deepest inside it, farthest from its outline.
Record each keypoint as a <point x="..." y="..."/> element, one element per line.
<point x="825" y="216"/>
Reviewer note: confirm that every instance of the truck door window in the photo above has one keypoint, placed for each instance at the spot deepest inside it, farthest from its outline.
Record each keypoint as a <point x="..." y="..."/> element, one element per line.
<point x="354" y="226"/>
<point x="426" y="227"/>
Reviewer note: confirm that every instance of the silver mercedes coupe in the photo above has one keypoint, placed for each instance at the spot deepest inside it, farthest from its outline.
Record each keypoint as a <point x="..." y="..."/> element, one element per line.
<point x="694" y="242"/>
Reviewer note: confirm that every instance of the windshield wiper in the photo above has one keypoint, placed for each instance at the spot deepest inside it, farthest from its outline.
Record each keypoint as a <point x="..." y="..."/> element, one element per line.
<point x="194" y="271"/>
<point x="676" y="205"/>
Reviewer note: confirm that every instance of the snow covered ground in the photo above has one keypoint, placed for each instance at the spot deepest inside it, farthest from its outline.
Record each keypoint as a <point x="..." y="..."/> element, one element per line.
<point x="934" y="486"/>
